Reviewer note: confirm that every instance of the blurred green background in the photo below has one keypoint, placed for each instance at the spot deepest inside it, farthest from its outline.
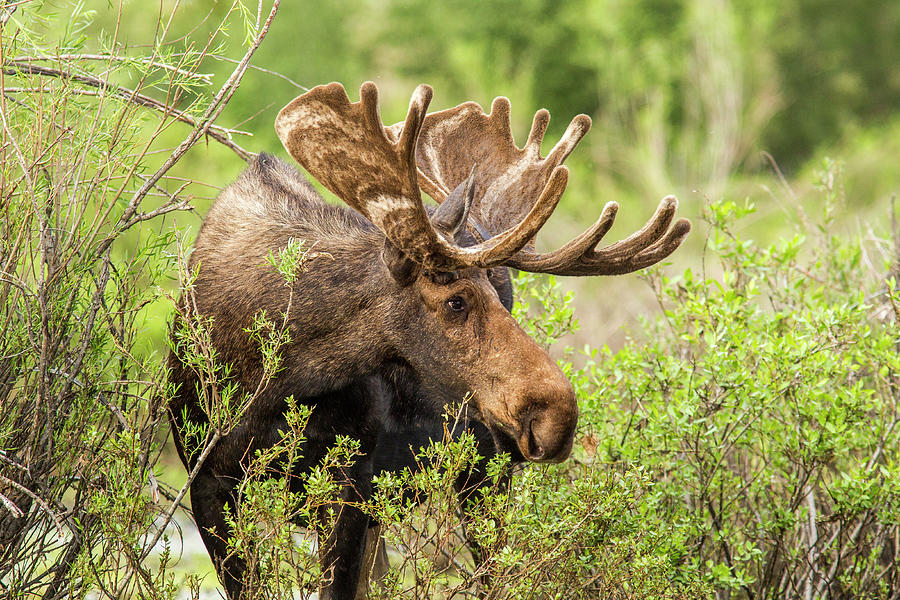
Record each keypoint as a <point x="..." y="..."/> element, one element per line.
<point x="762" y="102"/>
<point x="701" y="98"/>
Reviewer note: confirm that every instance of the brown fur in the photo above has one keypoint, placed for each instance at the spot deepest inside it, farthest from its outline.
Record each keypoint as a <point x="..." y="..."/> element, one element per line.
<point x="355" y="328"/>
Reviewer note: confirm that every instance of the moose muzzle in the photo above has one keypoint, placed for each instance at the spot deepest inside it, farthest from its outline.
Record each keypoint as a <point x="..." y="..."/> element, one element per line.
<point x="547" y="425"/>
<point x="523" y="394"/>
<point x="537" y="410"/>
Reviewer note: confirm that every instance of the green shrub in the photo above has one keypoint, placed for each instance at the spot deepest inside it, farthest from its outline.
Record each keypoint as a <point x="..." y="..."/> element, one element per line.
<point x="744" y="445"/>
<point x="764" y="407"/>
<point x="84" y="188"/>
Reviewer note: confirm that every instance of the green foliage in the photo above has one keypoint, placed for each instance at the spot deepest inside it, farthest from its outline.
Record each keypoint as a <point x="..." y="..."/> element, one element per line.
<point x="290" y="261"/>
<point x="581" y="529"/>
<point x="552" y="316"/>
<point x="83" y="192"/>
<point x="764" y="406"/>
<point x="709" y="80"/>
<point x="578" y="530"/>
<point x="263" y="526"/>
<point x="744" y="446"/>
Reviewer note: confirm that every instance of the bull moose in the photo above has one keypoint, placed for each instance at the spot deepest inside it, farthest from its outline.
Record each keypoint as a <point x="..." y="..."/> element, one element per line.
<point x="404" y="314"/>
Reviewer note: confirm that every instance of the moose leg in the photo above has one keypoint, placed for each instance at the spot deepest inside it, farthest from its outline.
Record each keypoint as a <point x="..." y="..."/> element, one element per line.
<point x="341" y="549"/>
<point x="341" y="555"/>
<point x="375" y="563"/>
<point x="209" y="497"/>
<point x="358" y="409"/>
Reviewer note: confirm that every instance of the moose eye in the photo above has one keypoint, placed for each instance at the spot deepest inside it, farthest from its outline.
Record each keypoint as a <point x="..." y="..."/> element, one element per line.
<point x="456" y="303"/>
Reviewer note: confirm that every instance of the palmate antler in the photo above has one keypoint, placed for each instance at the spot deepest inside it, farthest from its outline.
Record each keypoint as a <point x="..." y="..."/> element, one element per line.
<point x="509" y="180"/>
<point x="345" y="147"/>
<point x="378" y="171"/>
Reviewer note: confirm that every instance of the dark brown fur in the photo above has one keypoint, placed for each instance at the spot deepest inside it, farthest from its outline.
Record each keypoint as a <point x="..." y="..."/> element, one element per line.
<point x="368" y="348"/>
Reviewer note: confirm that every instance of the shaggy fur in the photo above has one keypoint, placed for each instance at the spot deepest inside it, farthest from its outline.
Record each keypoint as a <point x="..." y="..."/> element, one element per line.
<point x="371" y="351"/>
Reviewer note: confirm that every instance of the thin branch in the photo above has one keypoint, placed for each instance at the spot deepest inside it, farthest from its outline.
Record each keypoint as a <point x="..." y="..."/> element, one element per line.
<point x="7" y="10"/>
<point x="202" y="127"/>
<point x="9" y="461"/>
<point x="812" y="540"/>
<point x="181" y="494"/>
<point x="36" y="498"/>
<point x="88" y="329"/>
<point x="778" y="173"/>
<point x="11" y="506"/>
<point x="453" y="560"/>
<point x="261" y="69"/>
<point x="204" y="77"/>
<point x="174" y="204"/>
<point x="218" y="133"/>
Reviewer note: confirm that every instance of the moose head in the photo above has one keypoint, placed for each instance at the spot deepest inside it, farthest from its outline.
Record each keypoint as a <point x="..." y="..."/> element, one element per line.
<point x="445" y="319"/>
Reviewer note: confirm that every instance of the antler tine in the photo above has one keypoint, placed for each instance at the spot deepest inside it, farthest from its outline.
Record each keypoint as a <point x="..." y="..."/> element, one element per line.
<point x="538" y="129"/>
<point x="511" y="180"/>
<point x="647" y="235"/>
<point x="577" y="129"/>
<point x="418" y="105"/>
<point x="651" y="244"/>
<point x="573" y="251"/>
<point x="516" y="237"/>
<point x="373" y="169"/>
<point x="500" y="115"/>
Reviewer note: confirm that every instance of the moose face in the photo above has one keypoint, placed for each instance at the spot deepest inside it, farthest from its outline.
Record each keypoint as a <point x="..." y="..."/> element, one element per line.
<point x="449" y="323"/>
<point x="464" y="342"/>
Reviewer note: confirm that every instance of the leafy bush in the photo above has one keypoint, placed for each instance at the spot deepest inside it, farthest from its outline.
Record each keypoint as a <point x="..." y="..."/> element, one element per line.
<point x="577" y="530"/>
<point x="765" y="407"/>
<point x="82" y="500"/>
<point x="743" y="445"/>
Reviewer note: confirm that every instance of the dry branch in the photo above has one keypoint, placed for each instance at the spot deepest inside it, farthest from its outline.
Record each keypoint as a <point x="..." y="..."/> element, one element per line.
<point x="218" y="133"/>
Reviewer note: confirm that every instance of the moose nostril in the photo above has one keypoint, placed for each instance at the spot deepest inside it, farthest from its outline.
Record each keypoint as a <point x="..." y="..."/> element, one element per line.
<point x="546" y="435"/>
<point x="535" y="449"/>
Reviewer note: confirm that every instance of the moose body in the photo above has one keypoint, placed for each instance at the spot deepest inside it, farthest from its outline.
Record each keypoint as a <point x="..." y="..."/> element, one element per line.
<point x="399" y="311"/>
<point x="339" y="360"/>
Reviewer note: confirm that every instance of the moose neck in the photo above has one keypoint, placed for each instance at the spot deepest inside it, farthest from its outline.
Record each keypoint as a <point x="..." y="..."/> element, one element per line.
<point x="337" y="307"/>
<point x="340" y="309"/>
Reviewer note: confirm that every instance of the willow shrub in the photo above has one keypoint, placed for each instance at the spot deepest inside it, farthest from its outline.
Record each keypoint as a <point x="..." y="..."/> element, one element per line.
<point x="744" y="445"/>
<point x="764" y="406"/>
<point x="85" y="184"/>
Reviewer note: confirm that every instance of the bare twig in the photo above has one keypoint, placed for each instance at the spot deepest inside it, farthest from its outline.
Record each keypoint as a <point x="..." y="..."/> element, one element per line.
<point x="38" y="499"/>
<point x="202" y="126"/>
<point x="7" y="10"/>
<point x="811" y="540"/>
<point x="203" y="77"/>
<point x="218" y="133"/>
<point x="771" y="160"/>
<point x="11" y="462"/>
<point x="173" y="204"/>
<point x="262" y="70"/>
<point x="11" y="506"/>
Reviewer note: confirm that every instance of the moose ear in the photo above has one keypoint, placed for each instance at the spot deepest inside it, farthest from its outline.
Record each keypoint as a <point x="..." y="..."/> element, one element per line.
<point x="404" y="270"/>
<point x="451" y="216"/>
<point x="500" y="279"/>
